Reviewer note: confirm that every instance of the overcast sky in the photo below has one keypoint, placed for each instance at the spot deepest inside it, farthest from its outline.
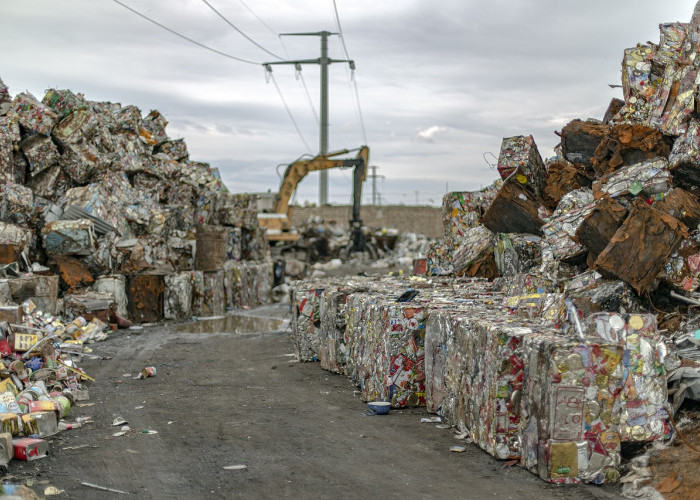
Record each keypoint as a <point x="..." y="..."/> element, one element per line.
<point x="440" y="83"/>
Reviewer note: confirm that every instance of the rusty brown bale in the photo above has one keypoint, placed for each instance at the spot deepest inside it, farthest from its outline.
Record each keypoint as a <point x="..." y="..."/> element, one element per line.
<point x="640" y="247"/>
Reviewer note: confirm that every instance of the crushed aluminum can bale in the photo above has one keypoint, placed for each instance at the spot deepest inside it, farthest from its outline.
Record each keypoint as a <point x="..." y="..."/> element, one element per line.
<point x="570" y="406"/>
<point x="153" y="128"/>
<point x="211" y="295"/>
<point x="41" y="153"/>
<point x="33" y="114"/>
<point x="178" y="296"/>
<point x="520" y="158"/>
<point x="650" y="177"/>
<point x="69" y="237"/>
<point x="17" y="205"/>
<point x="474" y="256"/>
<point x="463" y="209"/>
<point x="683" y="266"/>
<point x="560" y="232"/>
<point x="643" y="397"/>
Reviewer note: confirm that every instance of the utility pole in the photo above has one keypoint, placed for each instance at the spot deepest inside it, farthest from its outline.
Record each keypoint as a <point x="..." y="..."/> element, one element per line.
<point x="374" y="183"/>
<point x="324" y="61"/>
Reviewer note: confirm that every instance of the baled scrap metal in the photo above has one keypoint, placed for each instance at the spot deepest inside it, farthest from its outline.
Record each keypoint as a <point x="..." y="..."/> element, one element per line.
<point x="516" y="209"/>
<point x="32" y="114"/>
<point x="683" y="265"/>
<point x="474" y="256"/>
<point x="20" y="238"/>
<point x="560" y="233"/>
<point x="183" y="246"/>
<point x="332" y="336"/>
<point x="463" y="209"/>
<point x="127" y="119"/>
<point x="403" y="361"/>
<point x="176" y="149"/>
<point x="115" y="285"/>
<point x="604" y="295"/>
<point x="73" y="273"/>
<point x="524" y="283"/>
<point x="69" y="237"/>
<point x="628" y="145"/>
<point x="41" y="290"/>
<point x="4" y="94"/>
<point x="177" y="297"/>
<point x="644" y="394"/>
<point x="9" y="137"/>
<point x="153" y="128"/>
<point x="517" y="253"/>
<point x="641" y="246"/>
<point x="684" y="159"/>
<point x="600" y="225"/>
<point x="51" y="183"/>
<point x="100" y="201"/>
<point x="570" y="407"/>
<point x="439" y="259"/>
<point x="212" y="300"/>
<point x="89" y="305"/>
<point x="63" y="102"/>
<point x="520" y="158"/>
<point x="562" y="178"/>
<point x="16" y="204"/>
<point x="682" y="205"/>
<point x="651" y="177"/>
<point x="40" y="152"/>
<point x="145" y="294"/>
<point x="234" y="244"/>
<point x="211" y="247"/>
<point x="306" y="320"/>
<point x="579" y="140"/>
<point x="78" y="126"/>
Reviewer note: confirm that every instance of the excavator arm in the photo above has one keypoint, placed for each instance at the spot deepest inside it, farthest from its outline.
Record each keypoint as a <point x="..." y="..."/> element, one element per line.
<point x="296" y="171"/>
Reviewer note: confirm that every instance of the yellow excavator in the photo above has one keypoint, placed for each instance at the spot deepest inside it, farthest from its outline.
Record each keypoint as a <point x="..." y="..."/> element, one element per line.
<point x="277" y="222"/>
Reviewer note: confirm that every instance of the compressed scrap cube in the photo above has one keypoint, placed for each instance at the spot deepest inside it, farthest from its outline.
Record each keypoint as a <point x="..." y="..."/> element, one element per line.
<point x="520" y="158"/>
<point x="644" y="393"/>
<point x="41" y="153"/>
<point x="570" y="409"/>
<point x="32" y="114"/>
<point x="641" y="246"/>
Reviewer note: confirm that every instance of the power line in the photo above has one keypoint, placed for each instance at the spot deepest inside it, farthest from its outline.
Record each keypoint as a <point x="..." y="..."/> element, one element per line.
<point x="340" y="30"/>
<point x="184" y="36"/>
<point x="284" y="47"/>
<point x="257" y="17"/>
<point x="289" y="111"/>
<point x="300" y="75"/>
<point x="352" y="75"/>
<point x="239" y="31"/>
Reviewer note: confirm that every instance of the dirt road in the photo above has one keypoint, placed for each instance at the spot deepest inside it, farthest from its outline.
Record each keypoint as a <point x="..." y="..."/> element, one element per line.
<point x="225" y="400"/>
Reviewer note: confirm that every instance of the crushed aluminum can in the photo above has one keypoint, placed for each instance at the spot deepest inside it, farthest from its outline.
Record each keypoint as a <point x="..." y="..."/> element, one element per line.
<point x="30" y="449"/>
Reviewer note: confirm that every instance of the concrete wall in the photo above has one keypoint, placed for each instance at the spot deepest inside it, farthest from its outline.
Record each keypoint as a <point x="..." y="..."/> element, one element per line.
<point x="407" y="219"/>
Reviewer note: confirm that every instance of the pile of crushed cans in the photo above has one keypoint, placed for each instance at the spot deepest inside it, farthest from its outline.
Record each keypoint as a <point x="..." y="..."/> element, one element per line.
<point x="104" y="222"/>
<point x="558" y="318"/>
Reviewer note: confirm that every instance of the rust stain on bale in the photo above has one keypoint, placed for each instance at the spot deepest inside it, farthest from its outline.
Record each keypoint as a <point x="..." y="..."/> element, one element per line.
<point x="145" y="294"/>
<point x="640" y="247"/>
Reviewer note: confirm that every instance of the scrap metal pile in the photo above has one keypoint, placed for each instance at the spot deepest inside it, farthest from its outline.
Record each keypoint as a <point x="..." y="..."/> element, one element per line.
<point x="561" y="316"/>
<point x="104" y="222"/>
